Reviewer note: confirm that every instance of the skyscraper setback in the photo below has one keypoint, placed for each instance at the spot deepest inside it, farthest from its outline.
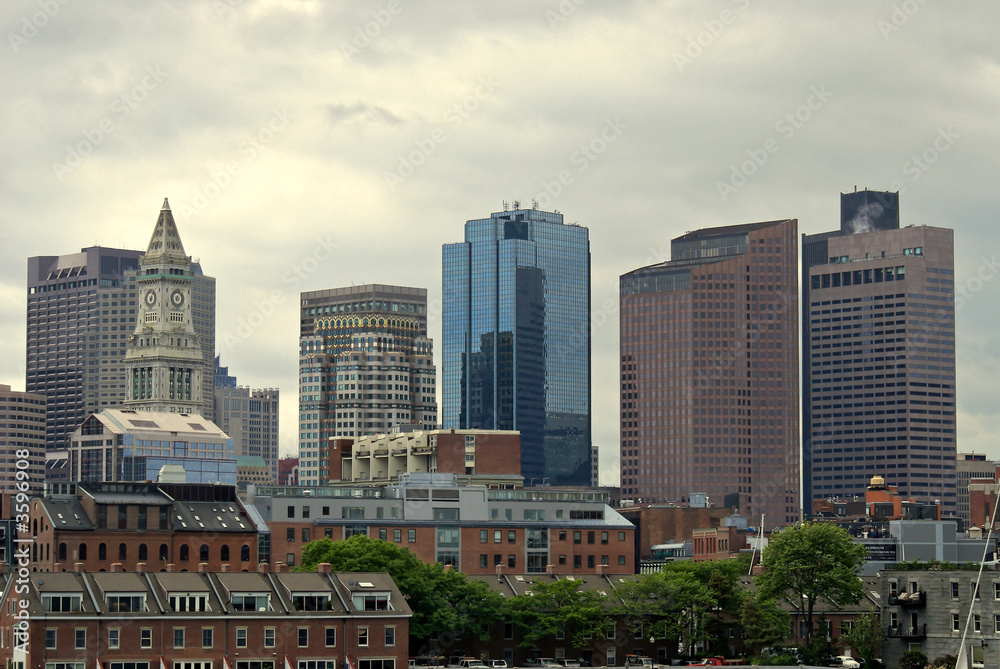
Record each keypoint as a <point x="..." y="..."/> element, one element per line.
<point x="366" y="366"/>
<point x="709" y="371"/>
<point x="879" y="333"/>
<point x="516" y="338"/>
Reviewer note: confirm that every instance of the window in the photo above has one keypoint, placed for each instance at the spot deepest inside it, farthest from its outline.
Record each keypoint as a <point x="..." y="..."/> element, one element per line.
<point x="79" y="639"/>
<point x="577" y="536"/>
<point x="291" y="512"/>
<point x="143" y="553"/>
<point x="411" y="536"/>
<point x="512" y="561"/>
<point x="374" y="601"/>
<point x="62" y="603"/>
<point x="50" y="639"/>
<point x="122" y="552"/>
<point x="305" y="535"/>
<point x="508" y="631"/>
<point x="484" y="536"/>
<point x="224" y="553"/>
<point x="363" y="636"/>
<point x="621" y="560"/>
<point x="955" y="623"/>
<point x="975" y="591"/>
<point x="996" y="623"/>
<point x="577" y="561"/>
<point x="203" y="553"/>
<point x="146" y="637"/>
<point x="303" y="637"/>
<point x="954" y="589"/>
<point x="269" y="633"/>
<point x="178" y="637"/>
<point x="976" y="623"/>
<point x="114" y="637"/>
<point x="497" y="536"/>
<point x="290" y="559"/>
<point x="377" y="664"/>
<point x="102" y="552"/>
<point x="245" y="553"/>
<point x="390" y="635"/>
<point x="590" y="537"/>
<point x="251" y="602"/>
<point x="127" y="665"/>
<point x="604" y="537"/>
<point x="241" y="637"/>
<point x="185" y="553"/>
<point x="637" y="631"/>
<point x="305" y="512"/>
<point x="331" y="637"/>
<point x="397" y="535"/>
<point x="446" y="514"/>
<point x="206" y="637"/>
<point x="621" y="536"/>
<point x="188" y="602"/>
<point x="126" y="603"/>
<point x="383" y="534"/>
<point x="511" y="536"/>
<point x="610" y="657"/>
<point x="290" y="535"/>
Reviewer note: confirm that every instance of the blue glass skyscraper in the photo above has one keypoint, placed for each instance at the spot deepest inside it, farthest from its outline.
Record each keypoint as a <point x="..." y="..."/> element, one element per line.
<point x="516" y="340"/>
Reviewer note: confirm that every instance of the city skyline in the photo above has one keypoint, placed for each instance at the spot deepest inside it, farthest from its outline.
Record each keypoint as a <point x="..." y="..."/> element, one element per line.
<point x="370" y="134"/>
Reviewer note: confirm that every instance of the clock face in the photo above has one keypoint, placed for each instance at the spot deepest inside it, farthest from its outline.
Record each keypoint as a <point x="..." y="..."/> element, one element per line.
<point x="177" y="298"/>
<point x="150" y="297"/>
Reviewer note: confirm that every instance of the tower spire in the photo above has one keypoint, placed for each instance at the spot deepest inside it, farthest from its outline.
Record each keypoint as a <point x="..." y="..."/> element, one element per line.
<point x="165" y="245"/>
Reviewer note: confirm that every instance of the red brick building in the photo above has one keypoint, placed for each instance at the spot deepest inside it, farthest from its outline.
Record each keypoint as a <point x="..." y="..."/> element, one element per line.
<point x="155" y="524"/>
<point x="473" y="528"/>
<point x="383" y="457"/>
<point x="211" y="620"/>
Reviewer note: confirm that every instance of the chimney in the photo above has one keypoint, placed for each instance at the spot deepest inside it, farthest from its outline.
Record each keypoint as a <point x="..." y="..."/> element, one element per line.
<point x="116" y="568"/>
<point x="263" y="567"/>
<point x="602" y="569"/>
<point x="324" y="568"/>
<point x="57" y="566"/>
<point x="499" y="571"/>
<point x="170" y="567"/>
<point x="77" y="566"/>
<point x="225" y="567"/>
<point x="202" y="567"/>
<point x="550" y="569"/>
<point x="140" y="567"/>
<point x="279" y="567"/>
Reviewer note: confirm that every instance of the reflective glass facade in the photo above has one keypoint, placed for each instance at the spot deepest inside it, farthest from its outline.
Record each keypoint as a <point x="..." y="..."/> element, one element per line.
<point x="516" y="339"/>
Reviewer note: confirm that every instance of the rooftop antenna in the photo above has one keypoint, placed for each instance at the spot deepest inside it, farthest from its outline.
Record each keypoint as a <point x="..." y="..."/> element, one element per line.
<point x="517" y="204"/>
<point x="506" y="207"/>
<point x="534" y="204"/>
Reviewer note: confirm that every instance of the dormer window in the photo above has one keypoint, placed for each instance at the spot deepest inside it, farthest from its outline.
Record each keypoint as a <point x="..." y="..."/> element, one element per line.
<point x="62" y="603"/>
<point x="125" y="601"/>
<point x="371" y="601"/>
<point x="257" y="601"/>
<point x="188" y="602"/>
<point x="310" y="601"/>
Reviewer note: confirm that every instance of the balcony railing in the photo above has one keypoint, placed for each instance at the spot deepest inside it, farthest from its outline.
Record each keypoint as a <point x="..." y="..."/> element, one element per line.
<point x="909" y="599"/>
<point x="910" y="632"/>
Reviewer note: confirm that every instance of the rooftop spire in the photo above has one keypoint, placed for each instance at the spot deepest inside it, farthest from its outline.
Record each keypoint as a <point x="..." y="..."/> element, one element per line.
<point x="165" y="245"/>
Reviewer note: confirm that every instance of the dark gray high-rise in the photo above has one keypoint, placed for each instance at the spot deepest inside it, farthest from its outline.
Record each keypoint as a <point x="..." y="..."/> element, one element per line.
<point x="516" y="339"/>
<point x="879" y="340"/>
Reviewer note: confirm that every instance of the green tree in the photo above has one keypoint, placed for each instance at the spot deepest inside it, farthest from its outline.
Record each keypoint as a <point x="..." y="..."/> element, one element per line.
<point x="443" y="601"/>
<point x="812" y="562"/>
<point x="866" y="637"/>
<point x="673" y="604"/>
<point x="559" y="607"/>
<point x="764" y="624"/>
<point x="913" y="659"/>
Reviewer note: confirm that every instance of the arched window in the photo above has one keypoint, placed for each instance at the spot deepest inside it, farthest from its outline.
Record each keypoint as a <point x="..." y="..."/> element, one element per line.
<point x="62" y="551"/>
<point x="81" y="552"/>
<point x="185" y="553"/>
<point x="122" y="552"/>
<point x="34" y="527"/>
<point x="224" y="553"/>
<point x="102" y="552"/>
<point x="143" y="552"/>
<point x="203" y="553"/>
<point x="245" y="553"/>
<point x="163" y="552"/>
<point x="34" y="552"/>
<point x="48" y="555"/>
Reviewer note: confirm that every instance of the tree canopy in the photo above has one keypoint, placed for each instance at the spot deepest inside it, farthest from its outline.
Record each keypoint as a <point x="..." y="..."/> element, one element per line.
<point x="812" y="562"/>
<point x="443" y="601"/>
<point x="559" y="608"/>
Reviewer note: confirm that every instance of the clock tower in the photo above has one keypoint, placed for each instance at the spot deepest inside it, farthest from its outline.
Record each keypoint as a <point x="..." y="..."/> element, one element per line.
<point x="165" y="365"/>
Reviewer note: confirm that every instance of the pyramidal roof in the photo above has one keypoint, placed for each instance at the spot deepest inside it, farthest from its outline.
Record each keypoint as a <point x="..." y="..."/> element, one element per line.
<point x="165" y="245"/>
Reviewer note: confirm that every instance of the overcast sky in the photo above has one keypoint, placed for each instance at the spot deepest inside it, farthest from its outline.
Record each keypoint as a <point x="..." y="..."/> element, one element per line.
<point x="310" y="145"/>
